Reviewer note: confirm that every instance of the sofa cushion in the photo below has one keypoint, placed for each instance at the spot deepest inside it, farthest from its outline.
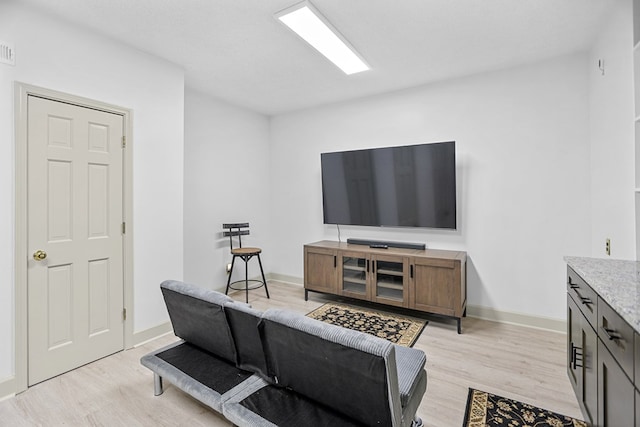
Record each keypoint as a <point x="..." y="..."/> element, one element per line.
<point x="345" y="370"/>
<point x="243" y="321"/>
<point x="200" y="374"/>
<point x="204" y="367"/>
<point x="197" y="317"/>
<point x="285" y="407"/>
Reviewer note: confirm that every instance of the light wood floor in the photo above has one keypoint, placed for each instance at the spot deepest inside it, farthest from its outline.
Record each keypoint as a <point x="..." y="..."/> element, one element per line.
<point x="512" y="361"/>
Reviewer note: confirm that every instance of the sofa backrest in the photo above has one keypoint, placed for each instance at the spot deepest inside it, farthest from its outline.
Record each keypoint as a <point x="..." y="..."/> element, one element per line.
<point x="348" y="371"/>
<point x="243" y="321"/>
<point x="197" y="317"/>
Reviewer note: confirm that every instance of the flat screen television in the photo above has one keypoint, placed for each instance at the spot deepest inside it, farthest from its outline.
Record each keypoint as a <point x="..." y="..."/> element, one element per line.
<point x="407" y="186"/>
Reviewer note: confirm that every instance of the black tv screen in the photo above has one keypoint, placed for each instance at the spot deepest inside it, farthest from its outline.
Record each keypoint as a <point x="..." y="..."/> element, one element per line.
<point x="407" y="186"/>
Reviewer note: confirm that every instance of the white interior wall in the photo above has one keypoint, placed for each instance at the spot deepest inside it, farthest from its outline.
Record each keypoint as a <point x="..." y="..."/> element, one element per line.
<point x="611" y="134"/>
<point x="53" y="55"/>
<point x="523" y="176"/>
<point x="521" y="207"/>
<point x="226" y="180"/>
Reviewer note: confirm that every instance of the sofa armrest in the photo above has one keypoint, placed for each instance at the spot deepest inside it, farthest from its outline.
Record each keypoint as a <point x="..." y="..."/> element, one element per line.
<point x="410" y="364"/>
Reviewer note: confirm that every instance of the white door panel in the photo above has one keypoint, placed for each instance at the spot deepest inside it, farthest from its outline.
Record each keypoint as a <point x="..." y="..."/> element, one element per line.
<point x="75" y="294"/>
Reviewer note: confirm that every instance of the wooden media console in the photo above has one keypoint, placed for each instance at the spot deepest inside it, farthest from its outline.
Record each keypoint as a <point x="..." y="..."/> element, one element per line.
<point x="431" y="281"/>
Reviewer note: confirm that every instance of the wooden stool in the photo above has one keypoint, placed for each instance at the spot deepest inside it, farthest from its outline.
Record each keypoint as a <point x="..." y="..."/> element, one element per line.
<point x="245" y="254"/>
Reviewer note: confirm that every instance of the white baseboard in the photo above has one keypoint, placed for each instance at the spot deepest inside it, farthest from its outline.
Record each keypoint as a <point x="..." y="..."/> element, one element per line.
<point x="8" y="385"/>
<point x="7" y="388"/>
<point x="147" y="335"/>
<point x="269" y="276"/>
<point x="286" y="279"/>
<point x="480" y="312"/>
<point x="538" y="322"/>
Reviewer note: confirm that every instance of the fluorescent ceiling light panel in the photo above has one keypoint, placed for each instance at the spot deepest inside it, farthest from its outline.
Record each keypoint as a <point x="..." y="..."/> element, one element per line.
<point x="309" y="24"/>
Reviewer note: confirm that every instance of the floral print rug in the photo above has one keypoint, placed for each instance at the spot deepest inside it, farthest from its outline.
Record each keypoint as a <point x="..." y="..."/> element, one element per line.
<point x="486" y="409"/>
<point x="400" y="330"/>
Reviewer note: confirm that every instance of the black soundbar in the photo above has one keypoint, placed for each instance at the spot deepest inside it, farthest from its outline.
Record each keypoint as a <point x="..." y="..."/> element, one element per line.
<point x="382" y="244"/>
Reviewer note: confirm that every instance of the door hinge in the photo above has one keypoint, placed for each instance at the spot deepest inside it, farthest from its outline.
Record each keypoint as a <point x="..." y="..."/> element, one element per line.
<point x="124" y="141"/>
<point x="124" y="314"/>
<point x="124" y="228"/>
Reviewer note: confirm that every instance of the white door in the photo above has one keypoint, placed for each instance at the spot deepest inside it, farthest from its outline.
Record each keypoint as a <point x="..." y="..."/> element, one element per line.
<point x="74" y="203"/>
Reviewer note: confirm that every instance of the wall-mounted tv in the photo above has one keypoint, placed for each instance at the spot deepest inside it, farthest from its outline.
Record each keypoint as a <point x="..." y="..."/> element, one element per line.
<point x="407" y="186"/>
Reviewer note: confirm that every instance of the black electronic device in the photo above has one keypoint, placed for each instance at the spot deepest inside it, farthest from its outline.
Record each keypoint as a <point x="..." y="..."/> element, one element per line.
<point x="383" y="244"/>
<point x="406" y="186"/>
<point x="379" y="246"/>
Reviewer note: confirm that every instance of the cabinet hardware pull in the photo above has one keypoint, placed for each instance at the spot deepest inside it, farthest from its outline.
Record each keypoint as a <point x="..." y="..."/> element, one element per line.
<point x="373" y="266"/>
<point x="367" y="266"/>
<point x="574" y="286"/>
<point x="586" y="301"/>
<point x="611" y="334"/>
<point x="411" y="271"/>
<point x="576" y="356"/>
<point x="335" y="261"/>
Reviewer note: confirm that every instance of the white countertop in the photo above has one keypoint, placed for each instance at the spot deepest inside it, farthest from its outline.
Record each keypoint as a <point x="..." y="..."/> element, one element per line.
<point x="616" y="281"/>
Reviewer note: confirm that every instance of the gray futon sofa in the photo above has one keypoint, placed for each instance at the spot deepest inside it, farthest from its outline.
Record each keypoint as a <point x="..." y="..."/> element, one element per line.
<point x="277" y="368"/>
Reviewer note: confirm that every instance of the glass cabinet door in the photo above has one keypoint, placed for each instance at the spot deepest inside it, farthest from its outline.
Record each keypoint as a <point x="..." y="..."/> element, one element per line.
<point x="390" y="280"/>
<point x="354" y="275"/>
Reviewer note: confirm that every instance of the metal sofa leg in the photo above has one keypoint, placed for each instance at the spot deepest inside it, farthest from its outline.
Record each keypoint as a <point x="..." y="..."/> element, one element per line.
<point x="157" y="385"/>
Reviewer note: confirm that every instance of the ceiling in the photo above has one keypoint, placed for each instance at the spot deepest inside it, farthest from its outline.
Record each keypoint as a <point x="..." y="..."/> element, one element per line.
<point x="235" y="50"/>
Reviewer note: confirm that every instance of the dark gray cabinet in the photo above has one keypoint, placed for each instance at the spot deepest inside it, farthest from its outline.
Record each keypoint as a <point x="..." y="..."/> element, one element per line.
<point x="603" y="353"/>
<point x="582" y="346"/>
<point x="616" y="392"/>
<point x="637" y="408"/>
<point x="637" y="377"/>
<point x="637" y="360"/>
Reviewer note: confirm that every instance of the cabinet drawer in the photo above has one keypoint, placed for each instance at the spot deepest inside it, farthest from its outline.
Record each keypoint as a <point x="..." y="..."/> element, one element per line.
<point x="583" y="295"/>
<point x="617" y="336"/>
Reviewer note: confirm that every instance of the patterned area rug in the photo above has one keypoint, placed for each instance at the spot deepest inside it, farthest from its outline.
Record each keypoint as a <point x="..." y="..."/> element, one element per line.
<point x="399" y="330"/>
<point x="486" y="409"/>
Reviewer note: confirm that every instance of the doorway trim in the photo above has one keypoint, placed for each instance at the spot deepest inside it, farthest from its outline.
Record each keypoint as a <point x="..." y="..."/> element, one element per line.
<point x="21" y="93"/>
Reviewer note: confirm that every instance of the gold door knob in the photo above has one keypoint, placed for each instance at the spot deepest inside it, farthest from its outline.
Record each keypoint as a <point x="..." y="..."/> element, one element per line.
<point x="39" y="255"/>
